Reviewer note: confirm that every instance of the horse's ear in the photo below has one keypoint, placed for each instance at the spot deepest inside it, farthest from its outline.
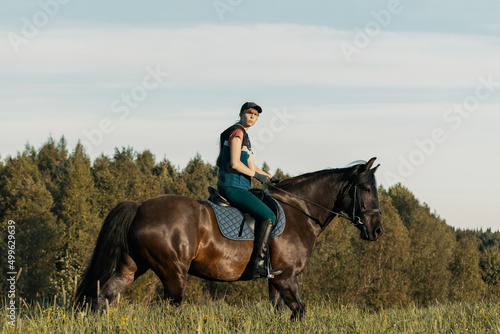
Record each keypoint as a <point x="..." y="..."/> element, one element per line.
<point x="369" y="165"/>
<point x="375" y="169"/>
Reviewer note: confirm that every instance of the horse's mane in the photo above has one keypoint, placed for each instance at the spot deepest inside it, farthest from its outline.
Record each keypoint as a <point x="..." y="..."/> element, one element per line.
<point x="341" y="173"/>
<point x="316" y="175"/>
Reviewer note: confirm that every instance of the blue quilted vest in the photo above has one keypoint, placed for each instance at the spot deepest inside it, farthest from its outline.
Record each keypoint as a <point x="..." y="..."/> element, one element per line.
<point x="229" y="177"/>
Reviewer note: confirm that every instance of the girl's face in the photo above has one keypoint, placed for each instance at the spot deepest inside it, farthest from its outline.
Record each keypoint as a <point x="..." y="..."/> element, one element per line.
<point x="249" y="117"/>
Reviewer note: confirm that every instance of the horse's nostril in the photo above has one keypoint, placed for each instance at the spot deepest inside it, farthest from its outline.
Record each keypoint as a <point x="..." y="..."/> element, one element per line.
<point x="379" y="231"/>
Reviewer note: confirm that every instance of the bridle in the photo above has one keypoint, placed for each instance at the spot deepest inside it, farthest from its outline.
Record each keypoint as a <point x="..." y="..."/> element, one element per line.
<point x="355" y="219"/>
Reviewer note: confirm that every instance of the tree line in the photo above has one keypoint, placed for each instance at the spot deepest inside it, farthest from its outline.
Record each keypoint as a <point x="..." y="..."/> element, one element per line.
<point x="59" y="200"/>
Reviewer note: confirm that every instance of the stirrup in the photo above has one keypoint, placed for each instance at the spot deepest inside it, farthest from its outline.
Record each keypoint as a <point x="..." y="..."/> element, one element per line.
<point x="270" y="273"/>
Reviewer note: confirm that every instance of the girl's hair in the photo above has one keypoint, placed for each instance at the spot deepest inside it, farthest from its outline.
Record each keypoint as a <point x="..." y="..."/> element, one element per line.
<point x="221" y="145"/>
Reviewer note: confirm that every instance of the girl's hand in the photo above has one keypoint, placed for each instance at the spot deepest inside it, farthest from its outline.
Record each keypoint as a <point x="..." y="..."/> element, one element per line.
<point x="275" y="180"/>
<point x="261" y="177"/>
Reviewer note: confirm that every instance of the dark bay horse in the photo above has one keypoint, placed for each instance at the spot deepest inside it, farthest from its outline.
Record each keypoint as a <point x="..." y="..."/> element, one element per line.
<point x="176" y="236"/>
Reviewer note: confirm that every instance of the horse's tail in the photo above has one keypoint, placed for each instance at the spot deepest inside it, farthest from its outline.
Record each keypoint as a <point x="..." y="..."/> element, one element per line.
<point x="111" y="242"/>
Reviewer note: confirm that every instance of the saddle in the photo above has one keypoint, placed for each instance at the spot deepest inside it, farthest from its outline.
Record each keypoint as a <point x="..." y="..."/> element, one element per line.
<point x="235" y="224"/>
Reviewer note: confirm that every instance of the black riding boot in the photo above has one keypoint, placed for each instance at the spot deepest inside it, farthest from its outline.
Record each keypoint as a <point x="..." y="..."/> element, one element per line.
<point x="262" y="266"/>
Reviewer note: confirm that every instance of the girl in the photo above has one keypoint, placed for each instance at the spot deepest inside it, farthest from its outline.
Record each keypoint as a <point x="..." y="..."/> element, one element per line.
<point x="236" y="168"/>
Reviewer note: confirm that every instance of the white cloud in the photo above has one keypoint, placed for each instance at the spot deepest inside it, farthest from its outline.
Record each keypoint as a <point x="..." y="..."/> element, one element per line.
<point x="284" y="54"/>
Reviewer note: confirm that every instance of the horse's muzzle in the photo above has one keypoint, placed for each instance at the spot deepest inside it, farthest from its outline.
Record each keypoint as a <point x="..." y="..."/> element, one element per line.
<point x="370" y="235"/>
<point x="377" y="233"/>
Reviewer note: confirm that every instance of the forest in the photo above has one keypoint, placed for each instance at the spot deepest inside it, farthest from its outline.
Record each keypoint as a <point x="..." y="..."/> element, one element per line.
<point x="58" y="199"/>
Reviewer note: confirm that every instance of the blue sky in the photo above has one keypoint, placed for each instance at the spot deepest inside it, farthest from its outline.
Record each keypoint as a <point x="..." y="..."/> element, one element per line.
<point x="415" y="83"/>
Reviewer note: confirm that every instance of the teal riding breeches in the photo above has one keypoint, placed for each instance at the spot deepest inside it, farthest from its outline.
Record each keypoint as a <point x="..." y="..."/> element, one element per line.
<point x="248" y="202"/>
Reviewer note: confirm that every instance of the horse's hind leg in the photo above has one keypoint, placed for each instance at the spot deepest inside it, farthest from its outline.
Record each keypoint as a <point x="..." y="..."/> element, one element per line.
<point x="125" y="273"/>
<point x="174" y="282"/>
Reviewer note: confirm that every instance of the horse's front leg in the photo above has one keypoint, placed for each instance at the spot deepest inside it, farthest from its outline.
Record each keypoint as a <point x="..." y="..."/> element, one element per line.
<point x="275" y="297"/>
<point x="289" y="288"/>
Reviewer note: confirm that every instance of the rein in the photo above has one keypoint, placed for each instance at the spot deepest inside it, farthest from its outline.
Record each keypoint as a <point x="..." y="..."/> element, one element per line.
<point x="312" y="203"/>
<point x="355" y="220"/>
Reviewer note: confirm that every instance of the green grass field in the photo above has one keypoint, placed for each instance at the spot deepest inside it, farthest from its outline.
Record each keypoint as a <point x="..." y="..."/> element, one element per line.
<point x="220" y="317"/>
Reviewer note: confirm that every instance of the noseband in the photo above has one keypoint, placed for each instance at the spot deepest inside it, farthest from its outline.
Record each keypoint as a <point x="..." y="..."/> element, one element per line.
<point x="356" y="219"/>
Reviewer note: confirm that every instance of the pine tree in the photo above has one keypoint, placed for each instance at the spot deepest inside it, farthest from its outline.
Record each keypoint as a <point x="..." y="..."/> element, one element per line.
<point x="281" y="175"/>
<point x="51" y="161"/>
<point x="106" y="186"/>
<point x="146" y="162"/>
<point x="198" y="175"/>
<point x="170" y="179"/>
<point x="26" y="200"/>
<point x="147" y="185"/>
<point x="134" y="181"/>
<point x="80" y="221"/>
<point x="126" y="174"/>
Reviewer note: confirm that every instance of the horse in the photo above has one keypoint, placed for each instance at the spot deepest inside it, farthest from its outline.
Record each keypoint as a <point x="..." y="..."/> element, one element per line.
<point x="177" y="236"/>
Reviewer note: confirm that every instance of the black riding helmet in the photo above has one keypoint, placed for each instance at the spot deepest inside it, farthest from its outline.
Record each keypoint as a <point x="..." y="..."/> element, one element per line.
<point x="248" y="105"/>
